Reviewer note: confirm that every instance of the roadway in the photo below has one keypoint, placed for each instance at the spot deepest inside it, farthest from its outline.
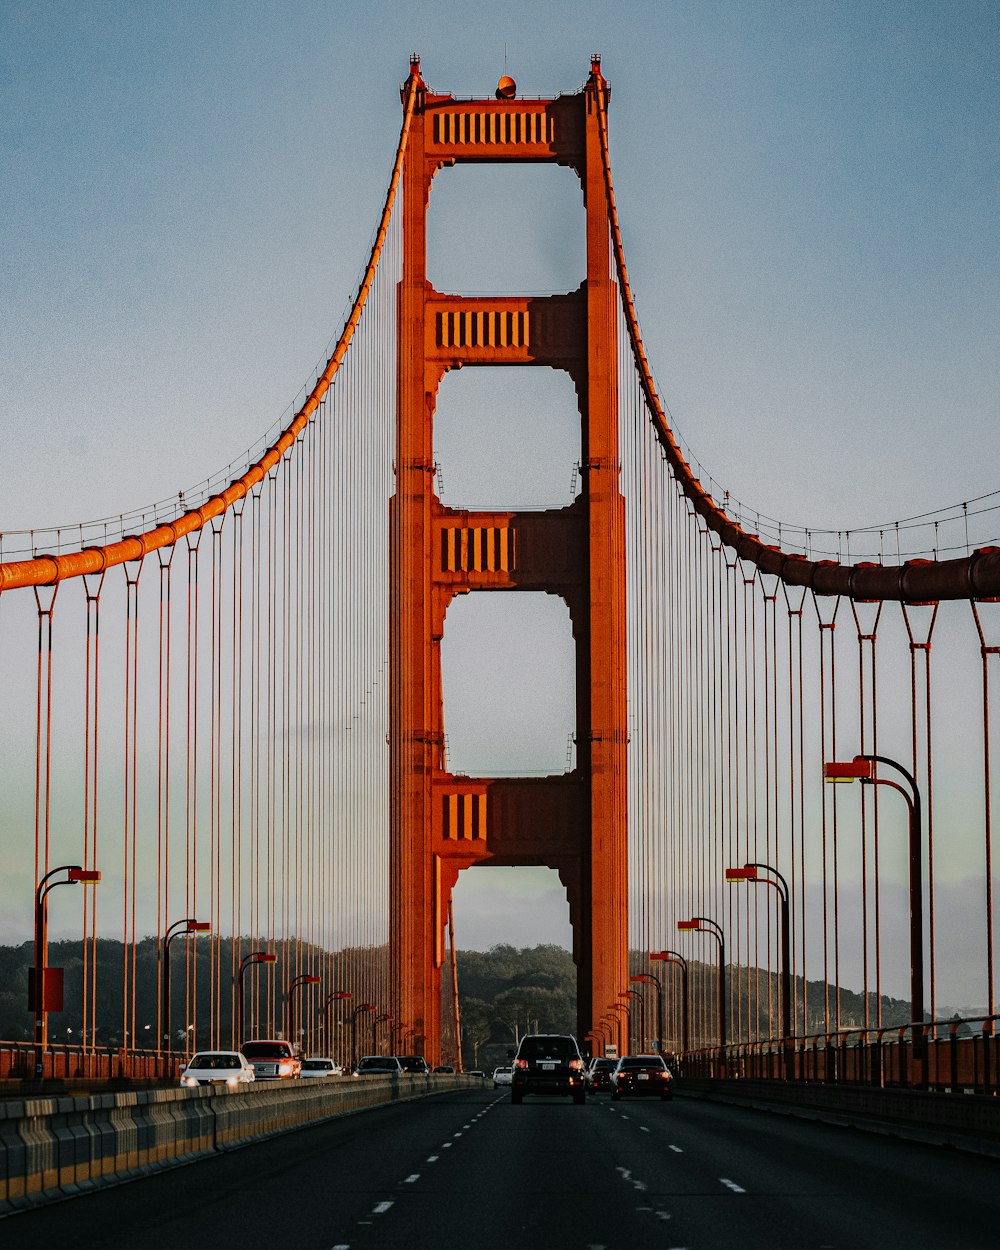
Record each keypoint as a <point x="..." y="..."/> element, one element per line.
<point x="468" y="1169"/>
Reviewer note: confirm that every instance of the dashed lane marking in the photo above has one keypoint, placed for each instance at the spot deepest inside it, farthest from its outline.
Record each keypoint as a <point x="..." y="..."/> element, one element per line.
<point x="677" y="1150"/>
<point x="432" y="1158"/>
<point x="447" y="1145"/>
<point x="643" y="1129"/>
<point x="380" y="1208"/>
<point x="737" y="1189"/>
<point x="414" y="1176"/>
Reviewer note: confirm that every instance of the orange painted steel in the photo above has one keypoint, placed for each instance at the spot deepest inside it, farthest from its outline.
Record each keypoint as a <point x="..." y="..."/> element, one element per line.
<point x="574" y="823"/>
<point x="916" y="581"/>
<point x="47" y="570"/>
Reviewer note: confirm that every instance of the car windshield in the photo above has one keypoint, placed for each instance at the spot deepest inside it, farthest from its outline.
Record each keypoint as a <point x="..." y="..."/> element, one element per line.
<point x="267" y="1050"/>
<point x="215" y="1061"/>
<point x="548" y="1048"/>
<point x="642" y="1061"/>
<point x="604" y="1065"/>
<point x="318" y="1065"/>
<point x="386" y="1065"/>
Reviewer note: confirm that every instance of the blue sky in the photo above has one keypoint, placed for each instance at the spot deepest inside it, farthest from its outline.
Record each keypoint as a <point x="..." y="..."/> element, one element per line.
<point x="809" y="195"/>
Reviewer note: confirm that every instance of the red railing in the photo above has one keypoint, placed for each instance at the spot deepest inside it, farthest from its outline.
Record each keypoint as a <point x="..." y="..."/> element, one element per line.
<point x="911" y="1056"/>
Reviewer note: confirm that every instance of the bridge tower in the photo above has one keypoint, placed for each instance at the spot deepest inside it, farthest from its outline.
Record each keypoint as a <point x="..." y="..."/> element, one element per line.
<point x="442" y="823"/>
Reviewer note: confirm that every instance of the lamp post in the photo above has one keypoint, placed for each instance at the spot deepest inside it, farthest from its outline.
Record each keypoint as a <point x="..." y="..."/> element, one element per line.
<point x="359" y="1010"/>
<point x="614" y="1026"/>
<point x="255" y="957"/>
<point x="187" y="925"/>
<point x="642" y="1015"/>
<point x="672" y="957"/>
<point x="616" y="1007"/>
<point x="751" y="872"/>
<point x="296" y="983"/>
<point x="45" y="983"/>
<point x="648" y="978"/>
<point x="332" y="997"/>
<point x="702" y="924"/>
<point x="383" y="1019"/>
<point x="863" y="768"/>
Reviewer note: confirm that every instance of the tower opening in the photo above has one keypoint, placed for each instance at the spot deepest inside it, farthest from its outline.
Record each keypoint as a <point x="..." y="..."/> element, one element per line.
<point x="512" y="229"/>
<point x="508" y="685"/>
<point x="507" y="438"/>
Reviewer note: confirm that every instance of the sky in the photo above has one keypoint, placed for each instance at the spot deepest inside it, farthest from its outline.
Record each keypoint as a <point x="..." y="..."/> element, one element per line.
<point x="809" y="200"/>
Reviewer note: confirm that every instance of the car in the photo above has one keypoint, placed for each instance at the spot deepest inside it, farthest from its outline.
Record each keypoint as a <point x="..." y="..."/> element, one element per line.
<point x="273" y="1059"/>
<point x="319" y="1067"/>
<point x="641" y="1075"/>
<point x="502" y="1076"/>
<point x="598" y="1075"/>
<point x="548" y="1063"/>
<point x="217" y="1067"/>
<point x="413" y="1065"/>
<point x="477" y="1072"/>
<point x="378" y="1065"/>
<point x="444" y="1069"/>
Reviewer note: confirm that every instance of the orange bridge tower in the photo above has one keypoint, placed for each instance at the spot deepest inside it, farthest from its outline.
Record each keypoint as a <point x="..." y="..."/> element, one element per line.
<point x="441" y="823"/>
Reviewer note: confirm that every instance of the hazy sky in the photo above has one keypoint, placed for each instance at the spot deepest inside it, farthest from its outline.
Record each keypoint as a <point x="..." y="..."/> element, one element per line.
<point x="809" y="196"/>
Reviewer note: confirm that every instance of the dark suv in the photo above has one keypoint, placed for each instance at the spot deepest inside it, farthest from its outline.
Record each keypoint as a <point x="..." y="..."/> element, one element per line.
<point x="548" y="1063"/>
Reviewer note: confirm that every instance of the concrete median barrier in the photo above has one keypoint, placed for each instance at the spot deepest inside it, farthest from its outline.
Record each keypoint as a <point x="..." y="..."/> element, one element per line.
<point x="57" y="1147"/>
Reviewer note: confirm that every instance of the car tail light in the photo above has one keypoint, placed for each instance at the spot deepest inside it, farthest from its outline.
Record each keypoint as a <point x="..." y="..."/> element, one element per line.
<point x="520" y="1063"/>
<point x="577" y="1064"/>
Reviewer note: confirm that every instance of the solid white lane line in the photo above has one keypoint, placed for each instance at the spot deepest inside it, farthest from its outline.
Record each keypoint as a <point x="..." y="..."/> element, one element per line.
<point x="414" y="1176"/>
<point x="380" y="1208"/>
<point x="737" y="1189"/>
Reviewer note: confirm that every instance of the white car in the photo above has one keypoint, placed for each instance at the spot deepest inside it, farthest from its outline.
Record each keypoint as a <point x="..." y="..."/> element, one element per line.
<point x="502" y="1076"/>
<point x="217" y="1067"/>
<point x="319" y="1067"/>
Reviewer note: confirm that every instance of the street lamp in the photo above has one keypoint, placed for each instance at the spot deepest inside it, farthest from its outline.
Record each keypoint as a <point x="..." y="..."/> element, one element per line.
<point x="45" y="984"/>
<point x="647" y="978"/>
<point x="187" y="925"/>
<point x="296" y="983"/>
<point x="385" y="1018"/>
<point x="702" y="924"/>
<point x="862" y="768"/>
<point x="751" y="872"/>
<point x="616" y="1007"/>
<point x="334" y="996"/>
<point x="642" y="1015"/>
<point x="672" y="957"/>
<point x="255" y="957"/>
<point x="361" y="1007"/>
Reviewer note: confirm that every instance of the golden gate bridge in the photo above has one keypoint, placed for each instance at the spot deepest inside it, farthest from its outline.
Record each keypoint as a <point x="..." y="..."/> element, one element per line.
<point x="225" y="709"/>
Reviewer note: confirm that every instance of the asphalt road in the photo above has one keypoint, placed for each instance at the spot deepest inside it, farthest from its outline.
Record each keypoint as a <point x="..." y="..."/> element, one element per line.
<point x="470" y="1170"/>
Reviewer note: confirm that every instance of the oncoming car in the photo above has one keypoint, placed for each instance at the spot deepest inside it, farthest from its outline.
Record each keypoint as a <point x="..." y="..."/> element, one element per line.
<point x="378" y="1065"/>
<point x="273" y="1059"/>
<point x="318" y="1067"/>
<point x="641" y="1075"/>
<point x="217" y="1067"/>
<point x="413" y="1065"/>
